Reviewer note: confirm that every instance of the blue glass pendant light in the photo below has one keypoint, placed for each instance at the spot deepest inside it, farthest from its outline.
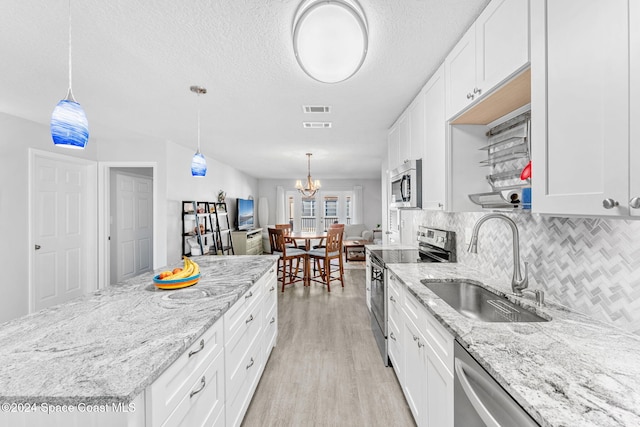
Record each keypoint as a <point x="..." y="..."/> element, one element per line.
<point x="199" y="163"/>
<point x="69" y="126"/>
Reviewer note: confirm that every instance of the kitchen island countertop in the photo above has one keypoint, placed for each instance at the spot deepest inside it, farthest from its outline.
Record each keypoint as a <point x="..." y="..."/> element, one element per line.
<point x="571" y="371"/>
<point x="107" y="347"/>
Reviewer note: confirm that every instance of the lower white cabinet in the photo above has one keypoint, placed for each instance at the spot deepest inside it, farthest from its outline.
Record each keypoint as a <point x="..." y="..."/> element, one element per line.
<point x="368" y="279"/>
<point x="423" y="359"/>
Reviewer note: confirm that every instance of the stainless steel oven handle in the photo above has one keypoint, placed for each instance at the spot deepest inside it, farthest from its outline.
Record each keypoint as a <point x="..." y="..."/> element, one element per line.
<point x="463" y="370"/>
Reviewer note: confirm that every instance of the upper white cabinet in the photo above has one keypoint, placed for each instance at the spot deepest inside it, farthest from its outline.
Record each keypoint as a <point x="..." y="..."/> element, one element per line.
<point x="417" y="128"/>
<point x="581" y="106"/>
<point x="404" y="145"/>
<point x="393" y="141"/>
<point x="435" y="140"/>
<point x="634" y="142"/>
<point x="493" y="49"/>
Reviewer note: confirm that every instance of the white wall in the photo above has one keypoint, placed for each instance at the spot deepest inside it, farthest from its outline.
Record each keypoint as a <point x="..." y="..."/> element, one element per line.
<point x="370" y="195"/>
<point x="16" y="137"/>
<point x="182" y="186"/>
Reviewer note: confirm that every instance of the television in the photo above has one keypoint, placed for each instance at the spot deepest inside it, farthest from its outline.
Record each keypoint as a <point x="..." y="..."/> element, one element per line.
<point x="245" y="214"/>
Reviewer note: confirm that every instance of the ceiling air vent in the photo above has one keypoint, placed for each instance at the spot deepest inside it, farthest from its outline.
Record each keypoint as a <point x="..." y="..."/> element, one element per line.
<point x="316" y="125"/>
<point x="316" y="108"/>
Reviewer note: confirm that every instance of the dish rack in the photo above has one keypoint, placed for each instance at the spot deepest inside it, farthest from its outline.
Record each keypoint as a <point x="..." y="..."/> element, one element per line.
<point x="508" y="152"/>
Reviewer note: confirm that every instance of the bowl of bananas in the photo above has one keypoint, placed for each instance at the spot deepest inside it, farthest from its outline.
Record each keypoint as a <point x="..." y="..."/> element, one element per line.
<point x="179" y="277"/>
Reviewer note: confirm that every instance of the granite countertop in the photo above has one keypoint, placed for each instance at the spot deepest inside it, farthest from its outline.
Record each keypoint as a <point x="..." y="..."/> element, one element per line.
<point x="571" y="371"/>
<point x="108" y="346"/>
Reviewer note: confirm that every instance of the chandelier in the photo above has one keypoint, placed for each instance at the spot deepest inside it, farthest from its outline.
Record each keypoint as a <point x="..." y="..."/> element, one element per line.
<point x="311" y="187"/>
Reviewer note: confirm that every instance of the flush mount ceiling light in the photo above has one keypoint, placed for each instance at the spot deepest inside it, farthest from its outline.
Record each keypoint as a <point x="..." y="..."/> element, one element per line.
<point x="330" y="39"/>
<point x="199" y="163"/>
<point x="69" y="126"/>
<point x="311" y="187"/>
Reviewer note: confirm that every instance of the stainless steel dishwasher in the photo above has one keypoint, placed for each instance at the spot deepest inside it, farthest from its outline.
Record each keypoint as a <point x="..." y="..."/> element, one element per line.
<point x="479" y="400"/>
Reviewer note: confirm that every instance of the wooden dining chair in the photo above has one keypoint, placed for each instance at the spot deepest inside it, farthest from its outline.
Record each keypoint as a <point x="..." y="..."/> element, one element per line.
<point x="323" y="257"/>
<point x="288" y="229"/>
<point x="321" y="243"/>
<point x="287" y="257"/>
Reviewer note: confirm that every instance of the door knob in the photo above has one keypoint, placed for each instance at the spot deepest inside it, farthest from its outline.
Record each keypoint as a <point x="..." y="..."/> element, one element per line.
<point x="609" y="203"/>
<point x="634" y="203"/>
<point x="37" y="247"/>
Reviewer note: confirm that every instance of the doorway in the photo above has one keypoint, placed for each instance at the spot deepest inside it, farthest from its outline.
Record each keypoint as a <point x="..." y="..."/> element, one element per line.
<point x="107" y="260"/>
<point x="131" y="222"/>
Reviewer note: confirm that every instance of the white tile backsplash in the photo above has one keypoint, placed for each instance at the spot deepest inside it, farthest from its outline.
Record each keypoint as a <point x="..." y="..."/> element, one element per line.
<point x="589" y="264"/>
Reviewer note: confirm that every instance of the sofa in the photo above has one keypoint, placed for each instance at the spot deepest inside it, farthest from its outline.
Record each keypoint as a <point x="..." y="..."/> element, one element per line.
<point x="357" y="232"/>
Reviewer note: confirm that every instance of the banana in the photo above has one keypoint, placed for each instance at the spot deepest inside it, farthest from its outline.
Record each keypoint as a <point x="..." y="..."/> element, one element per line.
<point x="186" y="272"/>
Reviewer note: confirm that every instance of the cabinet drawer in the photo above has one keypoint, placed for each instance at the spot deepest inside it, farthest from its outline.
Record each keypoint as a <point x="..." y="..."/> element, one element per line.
<point x="203" y="405"/>
<point x="235" y="319"/>
<point x="177" y="381"/>
<point x="440" y="340"/>
<point x="250" y="368"/>
<point x="395" y="291"/>
<point x="238" y="350"/>
<point x="415" y="312"/>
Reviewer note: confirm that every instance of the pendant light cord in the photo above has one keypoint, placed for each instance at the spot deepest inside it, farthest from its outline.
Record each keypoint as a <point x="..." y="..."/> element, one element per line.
<point x="70" y="94"/>
<point x="198" y="122"/>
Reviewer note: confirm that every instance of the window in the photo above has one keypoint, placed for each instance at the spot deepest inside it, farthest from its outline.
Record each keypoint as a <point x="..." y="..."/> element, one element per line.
<point x="330" y="206"/>
<point x="348" y="209"/>
<point x="308" y="207"/>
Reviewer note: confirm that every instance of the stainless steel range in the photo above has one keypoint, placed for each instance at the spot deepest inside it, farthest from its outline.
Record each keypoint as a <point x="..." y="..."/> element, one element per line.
<point x="434" y="245"/>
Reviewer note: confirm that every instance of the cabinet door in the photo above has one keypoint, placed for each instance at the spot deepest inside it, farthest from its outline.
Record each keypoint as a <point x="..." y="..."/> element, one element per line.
<point x="502" y="41"/>
<point x="404" y="146"/>
<point x="416" y="137"/>
<point x="394" y="148"/>
<point x="580" y="151"/>
<point x="634" y="159"/>
<point x="439" y="393"/>
<point x="415" y="380"/>
<point x="460" y="68"/>
<point x="434" y="160"/>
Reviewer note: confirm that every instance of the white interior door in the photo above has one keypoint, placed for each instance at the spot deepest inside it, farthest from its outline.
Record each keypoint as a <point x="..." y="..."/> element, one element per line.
<point x="59" y="230"/>
<point x="132" y="229"/>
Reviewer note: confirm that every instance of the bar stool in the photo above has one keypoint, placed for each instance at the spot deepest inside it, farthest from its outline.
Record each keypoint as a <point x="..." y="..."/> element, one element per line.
<point x="324" y="256"/>
<point x="287" y="256"/>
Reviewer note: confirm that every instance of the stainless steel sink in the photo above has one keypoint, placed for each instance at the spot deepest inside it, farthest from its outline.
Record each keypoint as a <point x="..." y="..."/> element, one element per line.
<point x="475" y="302"/>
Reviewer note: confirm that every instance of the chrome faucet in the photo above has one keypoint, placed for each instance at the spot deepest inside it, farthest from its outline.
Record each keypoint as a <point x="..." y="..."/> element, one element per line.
<point x="518" y="283"/>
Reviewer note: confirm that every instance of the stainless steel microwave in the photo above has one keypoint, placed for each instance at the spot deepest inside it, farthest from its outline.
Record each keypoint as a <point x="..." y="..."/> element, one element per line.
<point x="406" y="185"/>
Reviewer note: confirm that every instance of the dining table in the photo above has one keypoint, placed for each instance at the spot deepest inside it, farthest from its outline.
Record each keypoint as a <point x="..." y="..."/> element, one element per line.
<point x="307" y="237"/>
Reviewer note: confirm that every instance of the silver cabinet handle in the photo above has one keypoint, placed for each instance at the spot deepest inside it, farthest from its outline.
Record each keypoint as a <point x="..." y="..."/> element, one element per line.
<point x="250" y="363"/>
<point x="250" y="319"/>
<point x="192" y="352"/>
<point x="477" y="90"/>
<point x="272" y="270"/>
<point x="415" y="338"/>
<point x="469" y="95"/>
<point x="272" y="288"/>
<point x="368" y="289"/>
<point x="440" y="205"/>
<point x="203" y="383"/>
<point x="634" y="203"/>
<point x="392" y="298"/>
<point x="273" y="319"/>
<point x="392" y="336"/>
<point x="609" y="203"/>
<point x="249" y="295"/>
<point x="38" y="247"/>
<point x="420" y="345"/>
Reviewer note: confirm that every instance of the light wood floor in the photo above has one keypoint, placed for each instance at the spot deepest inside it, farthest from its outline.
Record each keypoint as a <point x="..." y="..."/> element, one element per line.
<point x="326" y="369"/>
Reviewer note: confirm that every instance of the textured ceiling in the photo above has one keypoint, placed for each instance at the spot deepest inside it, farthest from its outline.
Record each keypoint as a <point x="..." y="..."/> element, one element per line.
<point x="134" y="60"/>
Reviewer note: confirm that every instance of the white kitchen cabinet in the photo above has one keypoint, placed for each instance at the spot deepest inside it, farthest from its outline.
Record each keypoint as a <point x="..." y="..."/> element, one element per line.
<point x="495" y="48"/>
<point x="417" y="127"/>
<point x="367" y="274"/>
<point x="580" y="107"/>
<point x="425" y="355"/>
<point x="404" y="147"/>
<point x="395" y="299"/>
<point x="393" y="148"/>
<point x="634" y="75"/>
<point x="435" y="140"/>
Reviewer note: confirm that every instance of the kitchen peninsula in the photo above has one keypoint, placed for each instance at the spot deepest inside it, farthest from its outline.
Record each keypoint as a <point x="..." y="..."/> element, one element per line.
<point x="111" y="348"/>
